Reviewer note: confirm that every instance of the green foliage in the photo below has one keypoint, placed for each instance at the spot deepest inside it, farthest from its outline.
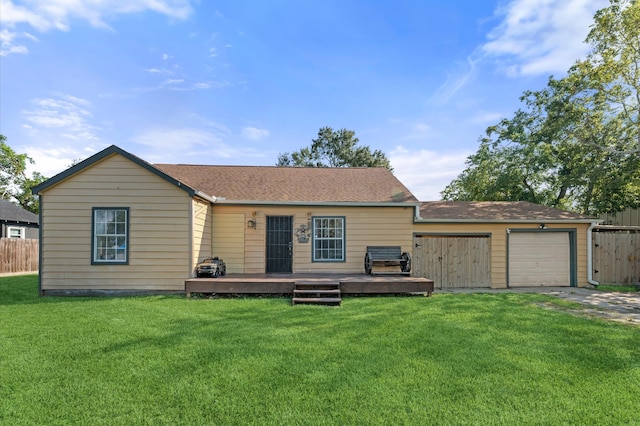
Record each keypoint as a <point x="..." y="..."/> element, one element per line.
<point x="576" y="143"/>
<point x="469" y="358"/>
<point x="15" y="185"/>
<point x="334" y="149"/>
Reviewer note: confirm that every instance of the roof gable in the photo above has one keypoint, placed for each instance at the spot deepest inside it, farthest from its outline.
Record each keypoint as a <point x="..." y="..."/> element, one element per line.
<point x="11" y="212"/>
<point x="100" y="156"/>
<point x="478" y="211"/>
<point x="293" y="184"/>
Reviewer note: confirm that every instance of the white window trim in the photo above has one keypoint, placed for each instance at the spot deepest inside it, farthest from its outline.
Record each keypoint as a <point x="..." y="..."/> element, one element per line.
<point x="20" y="229"/>
<point x="95" y="258"/>
<point x="314" y="256"/>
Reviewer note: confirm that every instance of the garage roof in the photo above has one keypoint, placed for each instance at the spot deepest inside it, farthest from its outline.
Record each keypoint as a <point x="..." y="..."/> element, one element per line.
<point x="495" y="211"/>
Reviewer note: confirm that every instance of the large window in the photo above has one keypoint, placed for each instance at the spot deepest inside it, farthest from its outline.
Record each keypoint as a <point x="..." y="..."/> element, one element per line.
<point x="110" y="235"/>
<point x="328" y="239"/>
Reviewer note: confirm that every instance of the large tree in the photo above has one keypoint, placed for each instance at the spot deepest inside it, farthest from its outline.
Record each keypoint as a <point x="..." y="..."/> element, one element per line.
<point x="576" y="143"/>
<point x="15" y="184"/>
<point x="334" y="149"/>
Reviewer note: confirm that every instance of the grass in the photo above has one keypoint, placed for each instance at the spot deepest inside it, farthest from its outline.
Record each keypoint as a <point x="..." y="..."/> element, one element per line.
<point x="618" y="288"/>
<point x="448" y="359"/>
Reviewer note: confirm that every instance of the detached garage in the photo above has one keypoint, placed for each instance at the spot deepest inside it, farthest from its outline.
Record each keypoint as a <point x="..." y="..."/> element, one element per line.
<point x="500" y="244"/>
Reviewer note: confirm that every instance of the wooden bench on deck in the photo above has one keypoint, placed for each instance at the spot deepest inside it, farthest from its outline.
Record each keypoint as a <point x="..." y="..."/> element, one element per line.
<point x="387" y="256"/>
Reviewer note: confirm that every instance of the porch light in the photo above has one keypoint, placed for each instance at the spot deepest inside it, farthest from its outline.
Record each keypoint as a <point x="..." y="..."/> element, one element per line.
<point x="251" y="223"/>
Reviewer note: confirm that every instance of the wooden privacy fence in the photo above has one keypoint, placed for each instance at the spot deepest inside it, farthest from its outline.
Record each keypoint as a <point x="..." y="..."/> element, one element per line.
<point x="616" y="256"/>
<point x="18" y="255"/>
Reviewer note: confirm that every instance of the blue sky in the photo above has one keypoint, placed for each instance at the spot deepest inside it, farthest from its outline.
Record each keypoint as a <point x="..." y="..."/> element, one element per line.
<point x="238" y="82"/>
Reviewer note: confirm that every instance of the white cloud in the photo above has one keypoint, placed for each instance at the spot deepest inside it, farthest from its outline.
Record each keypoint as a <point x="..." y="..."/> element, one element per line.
<point x="254" y="133"/>
<point x="60" y="131"/>
<point x="172" y="81"/>
<point x="193" y="144"/>
<point x="170" y="144"/>
<point x="456" y="80"/>
<point x="46" y="15"/>
<point x="426" y="173"/>
<point x="67" y="114"/>
<point x="485" y="117"/>
<point x="541" y="36"/>
<point x="51" y="161"/>
<point x="8" y="45"/>
<point x="158" y="71"/>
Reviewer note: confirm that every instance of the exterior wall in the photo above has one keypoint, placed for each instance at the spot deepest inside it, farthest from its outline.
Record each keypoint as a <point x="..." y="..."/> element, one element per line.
<point x="229" y="239"/>
<point x="202" y="231"/>
<point x="243" y="248"/>
<point x="498" y="233"/>
<point x="160" y="248"/>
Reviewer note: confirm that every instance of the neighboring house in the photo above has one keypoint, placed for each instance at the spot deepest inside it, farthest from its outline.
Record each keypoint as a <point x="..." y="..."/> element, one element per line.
<point x="116" y="222"/>
<point x="16" y="222"/>
<point x="627" y="217"/>
<point x="500" y="244"/>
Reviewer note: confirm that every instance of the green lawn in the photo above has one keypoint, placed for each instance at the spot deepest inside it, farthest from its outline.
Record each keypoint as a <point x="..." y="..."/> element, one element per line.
<point x="449" y="359"/>
<point x="617" y="288"/>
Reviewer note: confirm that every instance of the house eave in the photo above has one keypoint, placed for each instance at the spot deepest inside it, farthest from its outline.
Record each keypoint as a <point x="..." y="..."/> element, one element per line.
<point x="523" y="221"/>
<point x="314" y="203"/>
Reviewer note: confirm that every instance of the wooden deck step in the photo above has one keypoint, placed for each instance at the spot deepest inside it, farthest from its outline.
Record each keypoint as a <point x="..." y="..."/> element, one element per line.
<point x="317" y="300"/>
<point x="319" y="292"/>
<point x="315" y="291"/>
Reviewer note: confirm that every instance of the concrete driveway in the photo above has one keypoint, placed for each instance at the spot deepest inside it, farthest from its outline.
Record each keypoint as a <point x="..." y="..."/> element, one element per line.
<point x="620" y="307"/>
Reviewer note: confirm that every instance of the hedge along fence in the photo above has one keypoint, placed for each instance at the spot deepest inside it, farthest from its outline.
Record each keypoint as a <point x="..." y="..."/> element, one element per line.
<point x="18" y="255"/>
<point x="616" y="255"/>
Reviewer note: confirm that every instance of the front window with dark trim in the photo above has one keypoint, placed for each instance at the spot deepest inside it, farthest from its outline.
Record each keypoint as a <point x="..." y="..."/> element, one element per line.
<point x="110" y="235"/>
<point x="328" y="239"/>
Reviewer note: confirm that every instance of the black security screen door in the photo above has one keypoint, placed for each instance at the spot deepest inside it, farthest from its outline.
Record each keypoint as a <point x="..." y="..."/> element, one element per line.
<point x="279" y="244"/>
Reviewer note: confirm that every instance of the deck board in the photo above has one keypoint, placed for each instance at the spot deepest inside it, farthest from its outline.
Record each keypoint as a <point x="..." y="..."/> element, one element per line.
<point x="284" y="283"/>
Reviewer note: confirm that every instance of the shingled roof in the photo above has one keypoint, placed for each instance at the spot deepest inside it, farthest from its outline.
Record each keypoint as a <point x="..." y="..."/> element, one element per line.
<point x="292" y="184"/>
<point x="494" y="211"/>
<point x="9" y="212"/>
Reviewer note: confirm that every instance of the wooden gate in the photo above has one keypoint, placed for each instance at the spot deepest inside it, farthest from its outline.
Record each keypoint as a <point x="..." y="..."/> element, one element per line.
<point x="453" y="260"/>
<point x="616" y="256"/>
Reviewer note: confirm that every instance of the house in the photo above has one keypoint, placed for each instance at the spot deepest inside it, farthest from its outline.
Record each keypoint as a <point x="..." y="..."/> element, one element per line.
<point x="115" y="222"/>
<point x="16" y="222"/>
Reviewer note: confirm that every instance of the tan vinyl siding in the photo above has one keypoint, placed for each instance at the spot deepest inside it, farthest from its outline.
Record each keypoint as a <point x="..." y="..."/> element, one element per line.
<point x="159" y="230"/>
<point x="202" y="228"/>
<point x="363" y="226"/>
<point x="498" y="233"/>
<point x="229" y="239"/>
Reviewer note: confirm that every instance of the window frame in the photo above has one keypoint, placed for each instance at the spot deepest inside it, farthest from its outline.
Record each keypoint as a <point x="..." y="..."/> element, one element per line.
<point x="21" y="229"/>
<point x="314" y="251"/>
<point x="95" y="260"/>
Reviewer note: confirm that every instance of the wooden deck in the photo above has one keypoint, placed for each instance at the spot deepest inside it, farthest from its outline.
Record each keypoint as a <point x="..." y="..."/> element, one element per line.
<point x="285" y="283"/>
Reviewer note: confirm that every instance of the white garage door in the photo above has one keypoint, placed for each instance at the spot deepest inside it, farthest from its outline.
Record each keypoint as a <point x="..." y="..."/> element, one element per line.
<point x="539" y="259"/>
